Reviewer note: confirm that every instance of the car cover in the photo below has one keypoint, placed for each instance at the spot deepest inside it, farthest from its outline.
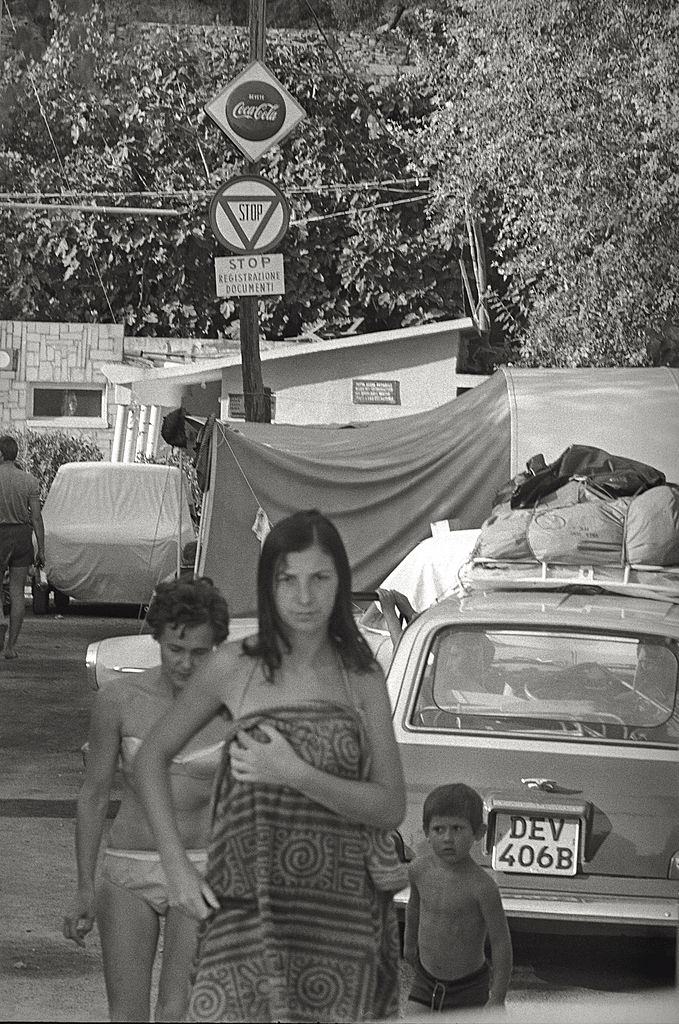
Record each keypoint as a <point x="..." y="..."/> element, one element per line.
<point x="111" y="529"/>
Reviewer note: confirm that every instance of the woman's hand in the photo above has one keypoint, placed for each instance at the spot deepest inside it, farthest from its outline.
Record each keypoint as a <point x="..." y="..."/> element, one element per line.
<point x="271" y="762"/>
<point x="80" y="921"/>
<point x="190" y="893"/>
<point x="397" y="611"/>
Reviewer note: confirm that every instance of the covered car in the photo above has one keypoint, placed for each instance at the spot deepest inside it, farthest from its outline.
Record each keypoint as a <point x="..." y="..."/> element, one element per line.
<point x="112" y="530"/>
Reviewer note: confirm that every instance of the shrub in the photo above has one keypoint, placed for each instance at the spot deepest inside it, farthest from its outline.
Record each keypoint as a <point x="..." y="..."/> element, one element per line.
<point x="43" y="452"/>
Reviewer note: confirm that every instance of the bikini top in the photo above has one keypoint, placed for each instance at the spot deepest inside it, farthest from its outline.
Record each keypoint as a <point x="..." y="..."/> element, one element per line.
<point x="201" y="763"/>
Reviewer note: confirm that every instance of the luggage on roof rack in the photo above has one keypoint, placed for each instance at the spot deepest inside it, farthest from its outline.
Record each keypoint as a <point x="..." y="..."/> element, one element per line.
<point x="610" y="476"/>
<point x="588" y="519"/>
<point x="640" y="530"/>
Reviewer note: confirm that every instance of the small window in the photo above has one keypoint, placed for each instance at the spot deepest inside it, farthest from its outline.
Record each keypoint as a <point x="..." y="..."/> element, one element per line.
<point x="558" y="684"/>
<point x="61" y="402"/>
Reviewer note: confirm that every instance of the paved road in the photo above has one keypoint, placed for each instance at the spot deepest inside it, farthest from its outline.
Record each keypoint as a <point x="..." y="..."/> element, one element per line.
<point x="45" y="701"/>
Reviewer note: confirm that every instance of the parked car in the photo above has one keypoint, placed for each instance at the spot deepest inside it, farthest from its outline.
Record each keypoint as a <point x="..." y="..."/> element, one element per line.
<point x="130" y="655"/>
<point x="111" y="532"/>
<point x="559" y="704"/>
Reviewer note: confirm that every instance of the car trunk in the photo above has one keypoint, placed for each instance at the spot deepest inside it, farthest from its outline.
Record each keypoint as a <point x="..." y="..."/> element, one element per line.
<point x="626" y="811"/>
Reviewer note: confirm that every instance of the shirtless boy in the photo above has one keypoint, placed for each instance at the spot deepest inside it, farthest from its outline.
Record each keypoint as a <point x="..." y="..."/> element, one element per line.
<point x="454" y="906"/>
<point x="188" y="617"/>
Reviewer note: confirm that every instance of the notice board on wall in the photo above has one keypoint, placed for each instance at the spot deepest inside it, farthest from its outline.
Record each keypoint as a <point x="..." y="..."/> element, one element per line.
<point x="376" y="392"/>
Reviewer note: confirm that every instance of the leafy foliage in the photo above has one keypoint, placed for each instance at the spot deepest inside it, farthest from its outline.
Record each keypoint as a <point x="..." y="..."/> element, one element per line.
<point x="555" y="123"/>
<point x="43" y="452"/>
<point x="128" y="118"/>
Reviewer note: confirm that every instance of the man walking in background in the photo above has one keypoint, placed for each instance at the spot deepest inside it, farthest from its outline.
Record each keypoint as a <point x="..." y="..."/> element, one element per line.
<point x="20" y="518"/>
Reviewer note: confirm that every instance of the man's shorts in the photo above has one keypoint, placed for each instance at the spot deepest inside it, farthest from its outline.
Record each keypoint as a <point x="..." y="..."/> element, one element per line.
<point x="16" y="545"/>
<point x="140" y="872"/>
<point x="439" y="995"/>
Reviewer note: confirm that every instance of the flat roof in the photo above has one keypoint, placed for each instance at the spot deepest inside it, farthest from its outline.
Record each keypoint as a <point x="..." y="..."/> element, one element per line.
<point x="203" y="370"/>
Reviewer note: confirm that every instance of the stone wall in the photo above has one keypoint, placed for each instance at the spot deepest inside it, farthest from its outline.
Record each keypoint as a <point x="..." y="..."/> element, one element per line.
<point x="44" y="354"/>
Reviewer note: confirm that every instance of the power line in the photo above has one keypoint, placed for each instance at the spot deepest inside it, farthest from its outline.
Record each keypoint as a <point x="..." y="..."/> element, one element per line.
<point x="149" y="211"/>
<point x="360" y="209"/>
<point x="395" y="184"/>
<point x="136" y="211"/>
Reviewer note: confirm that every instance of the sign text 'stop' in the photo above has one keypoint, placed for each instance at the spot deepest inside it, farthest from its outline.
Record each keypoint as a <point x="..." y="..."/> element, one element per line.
<point x="249" y="214"/>
<point x="255" y="111"/>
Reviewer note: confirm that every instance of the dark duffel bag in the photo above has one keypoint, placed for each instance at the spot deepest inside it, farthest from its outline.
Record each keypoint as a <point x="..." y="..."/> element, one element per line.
<point x="610" y="476"/>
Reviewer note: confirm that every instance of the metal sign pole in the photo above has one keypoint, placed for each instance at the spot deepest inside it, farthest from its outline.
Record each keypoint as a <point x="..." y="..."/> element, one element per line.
<point x="257" y="408"/>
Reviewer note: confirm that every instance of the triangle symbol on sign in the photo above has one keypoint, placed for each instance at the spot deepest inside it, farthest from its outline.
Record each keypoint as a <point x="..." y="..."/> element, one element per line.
<point x="249" y="215"/>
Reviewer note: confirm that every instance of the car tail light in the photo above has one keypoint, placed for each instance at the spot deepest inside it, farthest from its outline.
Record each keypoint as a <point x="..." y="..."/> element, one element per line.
<point x="91" y="664"/>
<point x="673" y="869"/>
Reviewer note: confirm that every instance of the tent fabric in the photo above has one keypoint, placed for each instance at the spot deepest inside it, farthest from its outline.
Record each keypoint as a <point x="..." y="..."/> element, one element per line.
<point x="633" y="412"/>
<point x="381" y="483"/>
<point x="384" y="482"/>
<point x="111" y="529"/>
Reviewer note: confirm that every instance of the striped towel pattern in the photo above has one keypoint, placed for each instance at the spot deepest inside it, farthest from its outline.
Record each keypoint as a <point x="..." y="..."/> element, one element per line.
<point x="303" y="932"/>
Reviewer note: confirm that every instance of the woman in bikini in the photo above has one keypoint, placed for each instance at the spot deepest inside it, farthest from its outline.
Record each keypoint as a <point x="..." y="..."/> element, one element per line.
<point x="299" y="923"/>
<point x="188" y="618"/>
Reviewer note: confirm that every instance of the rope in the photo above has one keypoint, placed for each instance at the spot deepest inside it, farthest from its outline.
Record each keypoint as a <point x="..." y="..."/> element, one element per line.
<point x="243" y="473"/>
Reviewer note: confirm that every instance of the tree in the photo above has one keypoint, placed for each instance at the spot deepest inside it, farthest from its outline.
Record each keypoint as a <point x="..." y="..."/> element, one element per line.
<point x="555" y="127"/>
<point x="126" y="122"/>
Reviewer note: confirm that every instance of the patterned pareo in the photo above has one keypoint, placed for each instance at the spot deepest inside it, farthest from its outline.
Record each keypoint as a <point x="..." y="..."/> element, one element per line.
<point x="306" y="930"/>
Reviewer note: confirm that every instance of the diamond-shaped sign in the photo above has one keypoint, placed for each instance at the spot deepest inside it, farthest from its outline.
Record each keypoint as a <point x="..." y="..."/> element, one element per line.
<point x="255" y="110"/>
<point x="249" y="214"/>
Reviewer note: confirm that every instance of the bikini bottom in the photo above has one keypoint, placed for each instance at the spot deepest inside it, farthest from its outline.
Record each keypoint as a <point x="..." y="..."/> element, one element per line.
<point x="141" y="872"/>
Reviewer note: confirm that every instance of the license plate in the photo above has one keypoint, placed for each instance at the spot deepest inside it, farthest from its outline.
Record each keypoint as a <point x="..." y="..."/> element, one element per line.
<point x="536" y="845"/>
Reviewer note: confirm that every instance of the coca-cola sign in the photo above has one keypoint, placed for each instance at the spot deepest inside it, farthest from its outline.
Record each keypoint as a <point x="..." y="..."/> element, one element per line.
<point x="255" y="110"/>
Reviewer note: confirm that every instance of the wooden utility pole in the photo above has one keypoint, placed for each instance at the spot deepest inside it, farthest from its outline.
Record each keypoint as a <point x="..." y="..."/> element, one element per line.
<point x="257" y="402"/>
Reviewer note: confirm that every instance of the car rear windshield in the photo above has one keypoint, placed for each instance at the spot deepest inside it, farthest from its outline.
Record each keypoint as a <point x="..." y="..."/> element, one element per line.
<point x="570" y="685"/>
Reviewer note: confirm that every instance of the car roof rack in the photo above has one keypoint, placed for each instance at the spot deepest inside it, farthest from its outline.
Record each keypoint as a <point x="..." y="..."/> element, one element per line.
<point x="659" y="582"/>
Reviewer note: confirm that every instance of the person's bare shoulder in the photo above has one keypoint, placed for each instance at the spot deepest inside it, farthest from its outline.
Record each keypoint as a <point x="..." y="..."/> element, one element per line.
<point x="422" y="862"/>
<point x="227" y="671"/>
<point x="121" y="690"/>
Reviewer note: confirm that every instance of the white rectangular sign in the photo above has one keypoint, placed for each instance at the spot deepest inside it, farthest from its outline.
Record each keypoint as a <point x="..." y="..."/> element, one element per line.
<point x="250" y="274"/>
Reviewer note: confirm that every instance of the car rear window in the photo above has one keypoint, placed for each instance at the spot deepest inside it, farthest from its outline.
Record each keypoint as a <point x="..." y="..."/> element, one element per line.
<point x="565" y="684"/>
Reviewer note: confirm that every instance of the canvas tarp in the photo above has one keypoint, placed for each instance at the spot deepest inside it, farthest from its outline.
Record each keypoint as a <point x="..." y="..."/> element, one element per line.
<point x="384" y="482"/>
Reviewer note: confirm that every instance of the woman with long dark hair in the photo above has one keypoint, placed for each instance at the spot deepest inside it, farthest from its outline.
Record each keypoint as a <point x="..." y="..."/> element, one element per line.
<point x="297" y="905"/>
